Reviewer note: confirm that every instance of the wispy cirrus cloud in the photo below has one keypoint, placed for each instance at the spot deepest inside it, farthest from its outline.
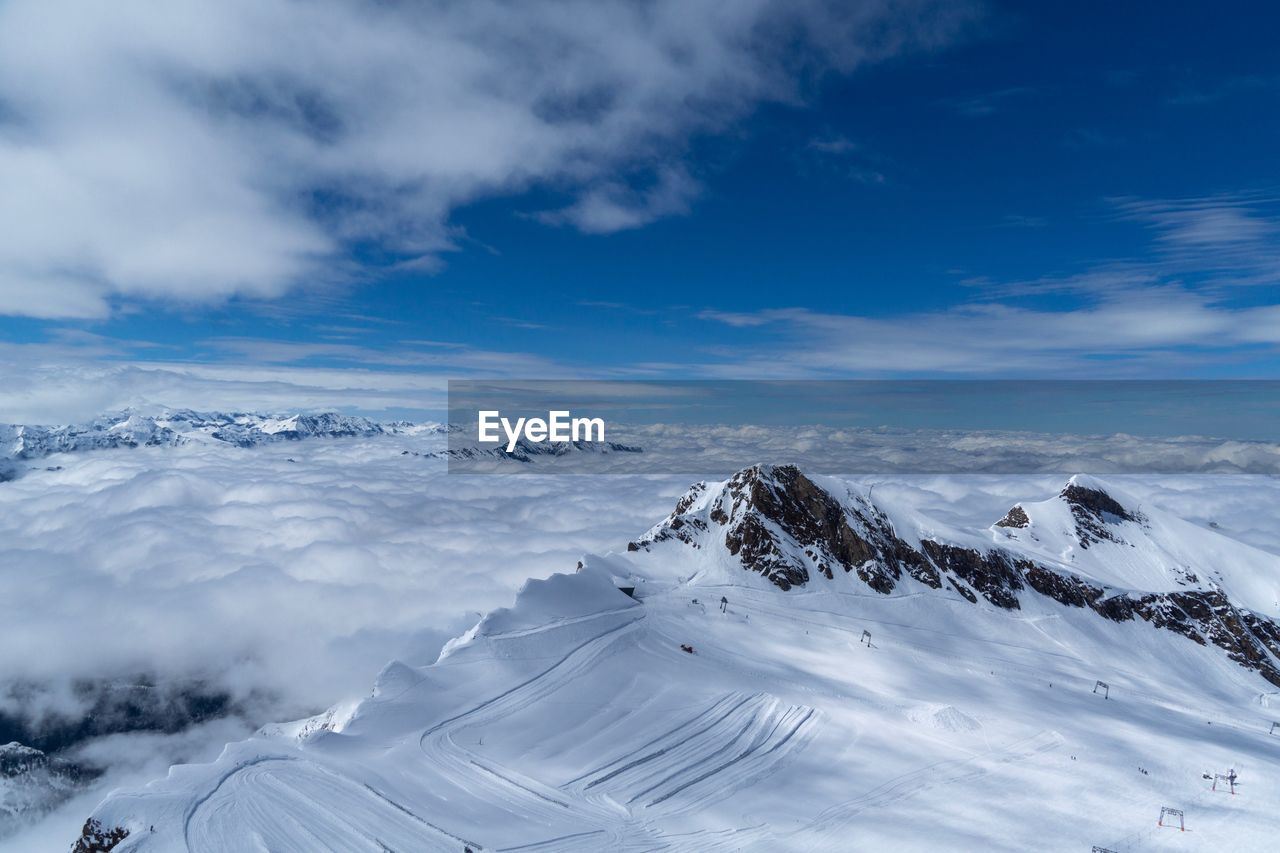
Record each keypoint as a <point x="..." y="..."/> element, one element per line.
<point x="990" y="103"/>
<point x="1234" y="233"/>
<point x="837" y="154"/>
<point x="197" y="151"/>
<point x="77" y="375"/>
<point x="1211" y="244"/>
<point x="1214" y="91"/>
<point x="1163" y="314"/>
<point x="1161" y="332"/>
<point x="621" y="206"/>
<point x="833" y="144"/>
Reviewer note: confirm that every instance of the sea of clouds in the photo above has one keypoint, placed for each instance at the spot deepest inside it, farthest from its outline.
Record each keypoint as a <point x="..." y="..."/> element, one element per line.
<point x="289" y="574"/>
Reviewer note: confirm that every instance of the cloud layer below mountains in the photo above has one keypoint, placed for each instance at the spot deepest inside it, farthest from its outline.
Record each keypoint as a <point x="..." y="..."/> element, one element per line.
<point x="294" y="582"/>
<point x="296" y="570"/>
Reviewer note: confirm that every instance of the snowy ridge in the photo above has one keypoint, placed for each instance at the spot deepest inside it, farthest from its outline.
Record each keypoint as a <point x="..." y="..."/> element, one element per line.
<point x="171" y="428"/>
<point x="797" y="666"/>
<point x="24" y="443"/>
<point x="1083" y="548"/>
<point x="475" y="454"/>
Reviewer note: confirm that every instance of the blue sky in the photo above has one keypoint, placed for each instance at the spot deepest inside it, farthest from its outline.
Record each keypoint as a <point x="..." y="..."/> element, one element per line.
<point x="1085" y="190"/>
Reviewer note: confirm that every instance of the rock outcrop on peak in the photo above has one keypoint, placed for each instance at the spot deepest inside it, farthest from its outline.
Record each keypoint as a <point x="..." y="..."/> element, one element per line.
<point x="98" y="838"/>
<point x="1096" y="514"/>
<point x="784" y="526"/>
<point x="1015" y="517"/>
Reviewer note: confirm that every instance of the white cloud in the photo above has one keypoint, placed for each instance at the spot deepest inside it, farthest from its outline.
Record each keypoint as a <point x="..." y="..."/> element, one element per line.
<point x="832" y="144"/>
<point x="1205" y="221"/>
<point x="199" y="150"/>
<point x="130" y="760"/>
<point x="303" y="578"/>
<point x="621" y="207"/>
<point x="1139" y="333"/>
<point x="1213" y="244"/>
<point x="297" y="579"/>
<point x="1162" y="315"/>
<point x="84" y="375"/>
<point x="71" y="390"/>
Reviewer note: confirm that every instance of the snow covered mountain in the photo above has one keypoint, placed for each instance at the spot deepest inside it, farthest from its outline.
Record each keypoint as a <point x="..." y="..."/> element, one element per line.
<point x="19" y="443"/>
<point x="474" y="454"/>
<point x="131" y="429"/>
<point x="1083" y="548"/>
<point x="32" y="782"/>
<point x="788" y="663"/>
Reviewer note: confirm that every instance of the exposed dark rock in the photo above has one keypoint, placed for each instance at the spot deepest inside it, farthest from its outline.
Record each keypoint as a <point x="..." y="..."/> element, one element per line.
<point x="991" y="573"/>
<point x="528" y="451"/>
<point x="1263" y="629"/>
<point x="1117" y="608"/>
<point x="1016" y="517"/>
<point x="679" y="525"/>
<point x="1095" y="513"/>
<point x="752" y="543"/>
<point x="97" y="838"/>
<point x="1065" y="589"/>
<point x="1096" y="502"/>
<point x="689" y="498"/>
<point x="784" y="526"/>
<point x="765" y="503"/>
<point x="1208" y="615"/>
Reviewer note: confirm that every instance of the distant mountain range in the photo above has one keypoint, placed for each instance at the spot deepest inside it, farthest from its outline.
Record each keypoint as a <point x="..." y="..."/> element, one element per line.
<point x="27" y="443"/>
<point x="130" y="429"/>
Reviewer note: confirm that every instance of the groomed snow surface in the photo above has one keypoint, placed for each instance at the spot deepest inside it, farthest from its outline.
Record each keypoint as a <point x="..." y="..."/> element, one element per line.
<point x="576" y="721"/>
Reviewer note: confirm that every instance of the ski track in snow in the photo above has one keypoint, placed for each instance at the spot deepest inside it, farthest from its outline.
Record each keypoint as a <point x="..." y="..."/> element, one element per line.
<point x="626" y="799"/>
<point x="249" y="801"/>
<point x="736" y="746"/>
<point x="539" y="684"/>
<point x="830" y="829"/>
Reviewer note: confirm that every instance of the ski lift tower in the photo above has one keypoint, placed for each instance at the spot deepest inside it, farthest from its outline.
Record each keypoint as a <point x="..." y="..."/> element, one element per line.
<point x="1165" y="811"/>
<point x="1104" y="687"/>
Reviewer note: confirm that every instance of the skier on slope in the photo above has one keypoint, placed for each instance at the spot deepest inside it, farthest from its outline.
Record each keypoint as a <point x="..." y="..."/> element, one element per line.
<point x="724" y="604"/>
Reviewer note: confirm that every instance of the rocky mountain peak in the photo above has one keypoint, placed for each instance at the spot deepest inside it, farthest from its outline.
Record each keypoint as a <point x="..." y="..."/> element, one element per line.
<point x="790" y="528"/>
<point x="1097" y="514"/>
<point x="782" y="524"/>
<point x="1015" y="517"/>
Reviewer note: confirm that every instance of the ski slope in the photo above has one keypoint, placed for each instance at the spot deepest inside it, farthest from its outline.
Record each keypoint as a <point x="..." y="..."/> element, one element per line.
<point x="575" y="721"/>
